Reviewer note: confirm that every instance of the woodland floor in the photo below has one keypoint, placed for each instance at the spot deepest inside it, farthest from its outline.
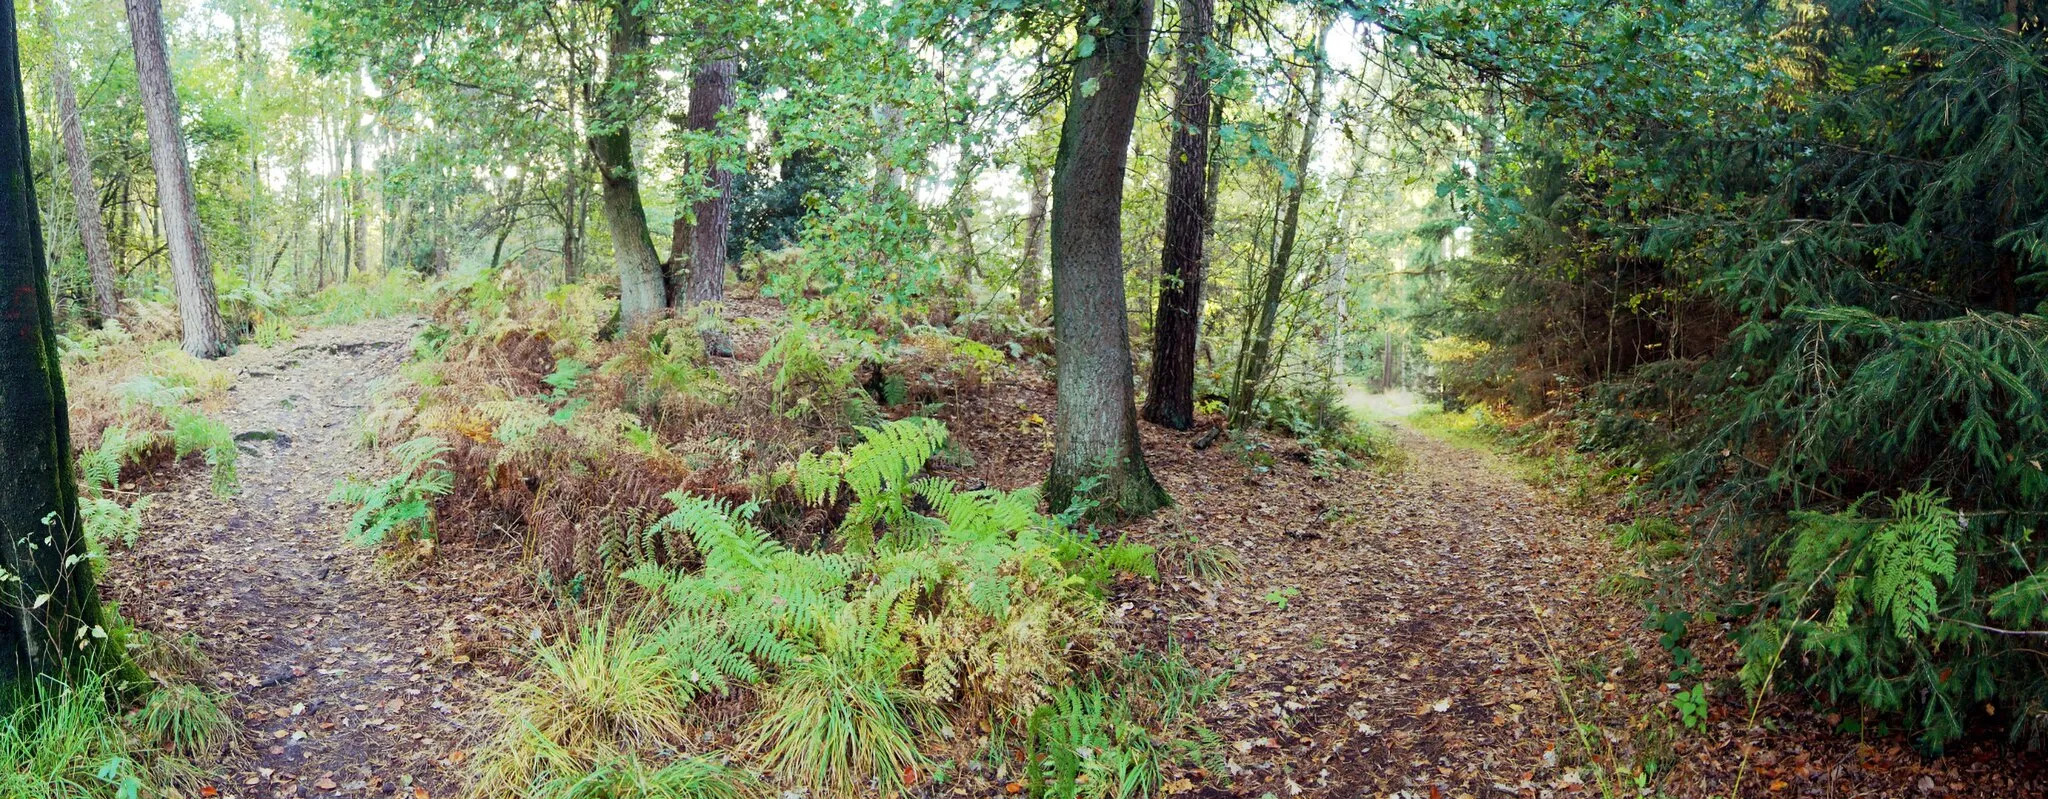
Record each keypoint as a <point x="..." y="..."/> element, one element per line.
<point x="350" y="680"/>
<point x="1392" y="633"/>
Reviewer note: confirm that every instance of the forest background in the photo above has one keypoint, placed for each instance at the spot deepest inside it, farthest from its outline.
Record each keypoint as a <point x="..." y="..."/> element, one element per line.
<point x="1771" y="273"/>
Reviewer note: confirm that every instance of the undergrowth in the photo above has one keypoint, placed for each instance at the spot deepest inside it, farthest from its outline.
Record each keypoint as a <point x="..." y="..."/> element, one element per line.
<point x="857" y="668"/>
<point x="84" y="738"/>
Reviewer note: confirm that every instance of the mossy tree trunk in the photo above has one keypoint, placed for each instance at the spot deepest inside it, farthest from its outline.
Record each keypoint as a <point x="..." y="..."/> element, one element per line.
<point x="49" y="611"/>
<point x="1097" y="421"/>
<point x="643" y="292"/>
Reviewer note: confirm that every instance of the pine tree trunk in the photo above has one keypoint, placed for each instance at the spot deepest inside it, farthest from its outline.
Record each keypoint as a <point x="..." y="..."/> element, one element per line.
<point x="1178" y="325"/>
<point x="642" y="292"/>
<point x="1254" y="370"/>
<point x="85" y="200"/>
<point x="48" y="605"/>
<point x="711" y="94"/>
<point x="1096" y="435"/>
<point x="1029" y="271"/>
<point x="191" y="273"/>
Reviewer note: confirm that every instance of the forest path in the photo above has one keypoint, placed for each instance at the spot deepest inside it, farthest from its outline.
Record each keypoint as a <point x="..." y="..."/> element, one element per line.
<point x="1389" y="630"/>
<point x="347" y="677"/>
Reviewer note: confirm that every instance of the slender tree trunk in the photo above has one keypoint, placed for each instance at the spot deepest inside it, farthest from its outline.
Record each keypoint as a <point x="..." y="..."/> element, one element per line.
<point x="251" y="254"/>
<point x="970" y="261"/>
<point x="48" y="606"/>
<point x="510" y="221"/>
<point x="677" y="271"/>
<point x="642" y="292"/>
<point x="359" y="216"/>
<point x="1277" y="277"/>
<point x="92" y="229"/>
<point x="1030" y="270"/>
<point x="191" y="272"/>
<point x="711" y="94"/>
<point x="1097" y="423"/>
<point x="1178" y="325"/>
<point x="347" y="210"/>
<point x="572" y="216"/>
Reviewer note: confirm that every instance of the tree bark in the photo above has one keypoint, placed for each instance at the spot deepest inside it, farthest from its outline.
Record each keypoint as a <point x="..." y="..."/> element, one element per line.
<point x="1253" y="370"/>
<point x="1096" y="440"/>
<point x="573" y="187"/>
<point x="191" y="273"/>
<point x="1178" y="326"/>
<point x="359" y="217"/>
<point x="711" y="94"/>
<point x="85" y="200"/>
<point x="349" y="254"/>
<point x="49" y="610"/>
<point x="642" y="292"/>
<point x="1029" y="272"/>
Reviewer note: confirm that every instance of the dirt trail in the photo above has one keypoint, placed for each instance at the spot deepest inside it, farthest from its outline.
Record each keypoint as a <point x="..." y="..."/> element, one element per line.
<point x="1385" y="628"/>
<point x="347" y="677"/>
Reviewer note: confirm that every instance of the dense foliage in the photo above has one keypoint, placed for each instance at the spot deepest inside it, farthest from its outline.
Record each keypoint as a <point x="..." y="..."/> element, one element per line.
<point x="1790" y="257"/>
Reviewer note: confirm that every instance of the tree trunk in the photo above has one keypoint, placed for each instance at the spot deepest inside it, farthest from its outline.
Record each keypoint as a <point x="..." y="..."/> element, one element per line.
<point x="92" y="230"/>
<point x="573" y="187"/>
<point x="191" y="274"/>
<point x="1096" y="439"/>
<point x="677" y="270"/>
<point x="970" y="261"/>
<point x="1253" y="370"/>
<point x="1029" y="272"/>
<point x="349" y="254"/>
<point x="359" y="217"/>
<point x="642" y="293"/>
<point x="1178" y="326"/>
<point x="49" y="608"/>
<point x="711" y="94"/>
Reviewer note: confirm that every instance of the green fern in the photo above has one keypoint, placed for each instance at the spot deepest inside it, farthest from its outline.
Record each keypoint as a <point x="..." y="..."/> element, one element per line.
<point x="1877" y="586"/>
<point x="192" y="431"/>
<point x="106" y="520"/>
<point x="401" y="503"/>
<point x="938" y="595"/>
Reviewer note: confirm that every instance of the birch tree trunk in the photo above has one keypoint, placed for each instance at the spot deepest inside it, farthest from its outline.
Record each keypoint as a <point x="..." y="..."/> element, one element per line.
<point x="1096" y="436"/>
<point x="85" y="200"/>
<point x="48" y="606"/>
<point x="191" y="273"/>
<point x="1170" y="400"/>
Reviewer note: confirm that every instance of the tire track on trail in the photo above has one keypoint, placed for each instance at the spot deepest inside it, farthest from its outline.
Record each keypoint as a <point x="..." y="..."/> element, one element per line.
<point x="349" y="680"/>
